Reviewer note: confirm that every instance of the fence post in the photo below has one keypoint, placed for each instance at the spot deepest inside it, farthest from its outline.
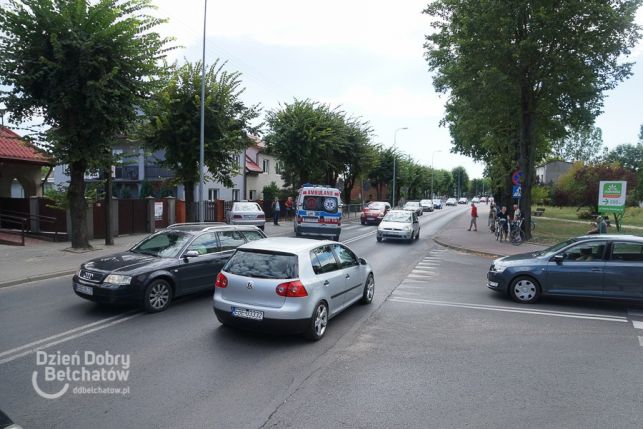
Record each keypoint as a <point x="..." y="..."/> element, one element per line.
<point x="151" y="220"/>
<point x="220" y="211"/>
<point x="114" y="217"/>
<point x="34" y="211"/>
<point x="171" y="210"/>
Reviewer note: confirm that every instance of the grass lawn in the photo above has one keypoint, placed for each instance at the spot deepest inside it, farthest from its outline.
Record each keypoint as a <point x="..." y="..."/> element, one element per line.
<point x="554" y="231"/>
<point x="633" y="215"/>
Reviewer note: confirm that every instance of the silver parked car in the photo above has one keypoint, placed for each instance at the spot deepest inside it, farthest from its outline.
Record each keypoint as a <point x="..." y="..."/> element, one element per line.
<point x="399" y="225"/>
<point x="414" y="206"/>
<point x="246" y="213"/>
<point x="427" y="205"/>
<point x="291" y="284"/>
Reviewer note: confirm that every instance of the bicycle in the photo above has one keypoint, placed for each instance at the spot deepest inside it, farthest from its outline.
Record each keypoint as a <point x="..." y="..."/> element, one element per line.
<point x="500" y="229"/>
<point x="516" y="234"/>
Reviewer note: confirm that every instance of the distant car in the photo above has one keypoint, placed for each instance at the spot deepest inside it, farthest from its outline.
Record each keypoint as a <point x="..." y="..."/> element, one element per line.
<point x="179" y="260"/>
<point x="475" y="200"/>
<point x="592" y="266"/>
<point x="413" y="206"/>
<point x="483" y="199"/>
<point x="292" y="285"/>
<point x="437" y="204"/>
<point x="427" y="205"/>
<point x="399" y="225"/>
<point x="246" y="213"/>
<point x="463" y="200"/>
<point x="374" y="212"/>
<point x="451" y="202"/>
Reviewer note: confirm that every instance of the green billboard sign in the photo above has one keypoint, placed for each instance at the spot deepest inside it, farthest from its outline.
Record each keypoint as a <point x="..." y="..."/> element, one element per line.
<point x="611" y="196"/>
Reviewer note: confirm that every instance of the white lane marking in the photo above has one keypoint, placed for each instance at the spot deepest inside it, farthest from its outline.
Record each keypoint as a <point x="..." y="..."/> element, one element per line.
<point x="513" y="310"/>
<point x="403" y="292"/>
<point x="637" y="324"/>
<point x="424" y="272"/>
<point x="351" y="227"/>
<point x="426" y="269"/>
<point x="641" y="341"/>
<point x="405" y="286"/>
<point x="419" y="276"/>
<point x="428" y="264"/>
<point x="359" y="237"/>
<point x="413" y="281"/>
<point x="83" y="331"/>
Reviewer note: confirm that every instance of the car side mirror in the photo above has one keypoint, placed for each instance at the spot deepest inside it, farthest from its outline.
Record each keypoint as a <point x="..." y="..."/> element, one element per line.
<point x="190" y="254"/>
<point x="559" y="259"/>
<point x="362" y="261"/>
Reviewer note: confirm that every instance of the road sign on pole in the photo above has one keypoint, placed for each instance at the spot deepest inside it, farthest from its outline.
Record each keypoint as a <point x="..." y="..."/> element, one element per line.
<point x="516" y="192"/>
<point x="611" y="196"/>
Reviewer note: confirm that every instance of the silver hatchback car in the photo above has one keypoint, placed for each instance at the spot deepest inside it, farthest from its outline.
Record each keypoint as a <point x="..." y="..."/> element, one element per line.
<point x="246" y="213"/>
<point x="292" y="285"/>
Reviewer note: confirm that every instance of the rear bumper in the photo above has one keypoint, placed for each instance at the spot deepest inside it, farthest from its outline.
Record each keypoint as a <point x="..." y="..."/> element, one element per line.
<point x="258" y="222"/>
<point x="308" y="229"/>
<point x="287" y="326"/>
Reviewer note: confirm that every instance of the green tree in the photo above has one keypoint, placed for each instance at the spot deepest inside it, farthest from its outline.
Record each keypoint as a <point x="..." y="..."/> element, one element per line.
<point x="310" y="139"/>
<point x="460" y="181"/>
<point x="518" y="73"/>
<point x="84" y="67"/>
<point x="585" y="144"/>
<point x="172" y="124"/>
<point x="358" y="156"/>
<point x="380" y="174"/>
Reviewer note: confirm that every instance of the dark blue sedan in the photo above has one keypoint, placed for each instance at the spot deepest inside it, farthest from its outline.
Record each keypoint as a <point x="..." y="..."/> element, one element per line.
<point x="594" y="266"/>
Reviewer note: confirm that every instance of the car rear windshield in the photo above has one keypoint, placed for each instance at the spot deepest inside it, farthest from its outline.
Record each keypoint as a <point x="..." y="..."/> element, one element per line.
<point x="376" y="206"/>
<point x="246" y="207"/>
<point x="317" y="203"/>
<point x="263" y="264"/>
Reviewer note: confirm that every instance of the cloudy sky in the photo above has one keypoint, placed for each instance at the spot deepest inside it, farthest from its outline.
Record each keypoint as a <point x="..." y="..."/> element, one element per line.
<point x="365" y="55"/>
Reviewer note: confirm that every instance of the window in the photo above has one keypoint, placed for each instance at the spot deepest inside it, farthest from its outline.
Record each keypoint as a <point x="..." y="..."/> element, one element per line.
<point x="253" y="235"/>
<point x="324" y="259"/>
<point x="278" y="167"/>
<point x="261" y="264"/>
<point x="213" y="194"/>
<point x="585" y="252"/>
<point x="346" y="258"/>
<point x="252" y="195"/>
<point x="266" y="166"/>
<point x="235" y="195"/>
<point x="230" y="240"/>
<point x="206" y="243"/>
<point x="163" y="244"/>
<point x="627" y="252"/>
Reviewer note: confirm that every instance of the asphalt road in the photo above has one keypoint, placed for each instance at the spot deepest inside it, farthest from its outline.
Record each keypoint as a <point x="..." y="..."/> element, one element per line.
<point x="435" y="349"/>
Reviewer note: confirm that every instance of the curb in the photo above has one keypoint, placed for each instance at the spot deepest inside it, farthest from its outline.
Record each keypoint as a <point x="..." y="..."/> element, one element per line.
<point x="465" y="250"/>
<point x="36" y="278"/>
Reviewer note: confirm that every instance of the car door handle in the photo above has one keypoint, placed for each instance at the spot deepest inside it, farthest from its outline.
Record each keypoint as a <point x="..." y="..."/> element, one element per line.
<point x="326" y="282"/>
<point x="348" y="276"/>
<point x="597" y="270"/>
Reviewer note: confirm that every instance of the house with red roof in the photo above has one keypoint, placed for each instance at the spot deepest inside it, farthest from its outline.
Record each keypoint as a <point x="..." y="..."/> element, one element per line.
<point x="20" y="161"/>
<point x="261" y="169"/>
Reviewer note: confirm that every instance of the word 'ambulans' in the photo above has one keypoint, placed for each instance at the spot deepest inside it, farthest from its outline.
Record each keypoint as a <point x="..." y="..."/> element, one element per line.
<point x="319" y="211"/>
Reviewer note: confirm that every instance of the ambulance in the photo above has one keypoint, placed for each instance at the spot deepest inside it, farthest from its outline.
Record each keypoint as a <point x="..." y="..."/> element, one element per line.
<point x="318" y="211"/>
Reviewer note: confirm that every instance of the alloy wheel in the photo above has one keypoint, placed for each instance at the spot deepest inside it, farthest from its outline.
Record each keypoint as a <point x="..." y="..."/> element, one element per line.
<point x="321" y="320"/>
<point x="159" y="296"/>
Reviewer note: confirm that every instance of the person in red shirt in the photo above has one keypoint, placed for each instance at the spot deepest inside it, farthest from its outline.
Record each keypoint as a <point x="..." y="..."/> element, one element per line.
<point x="474" y="218"/>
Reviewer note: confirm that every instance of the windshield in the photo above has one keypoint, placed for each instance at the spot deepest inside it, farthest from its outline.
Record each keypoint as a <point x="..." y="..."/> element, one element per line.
<point x="412" y="204"/>
<point x="398" y="217"/>
<point x="556" y="247"/>
<point x="376" y="206"/>
<point x="166" y="244"/>
<point x="263" y="265"/>
<point x="246" y="207"/>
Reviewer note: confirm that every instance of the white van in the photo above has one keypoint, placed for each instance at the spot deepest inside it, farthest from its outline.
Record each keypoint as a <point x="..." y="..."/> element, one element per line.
<point x="318" y="211"/>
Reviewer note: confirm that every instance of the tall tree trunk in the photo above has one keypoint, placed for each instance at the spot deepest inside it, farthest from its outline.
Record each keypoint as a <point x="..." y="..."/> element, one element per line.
<point x="190" y="209"/>
<point x="78" y="206"/>
<point x="526" y="156"/>
<point x="109" y="234"/>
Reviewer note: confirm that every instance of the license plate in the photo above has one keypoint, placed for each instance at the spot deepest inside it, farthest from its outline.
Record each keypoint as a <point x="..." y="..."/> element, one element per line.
<point x="310" y="220"/>
<point x="84" y="289"/>
<point x="249" y="217"/>
<point x="370" y="218"/>
<point x="247" y="314"/>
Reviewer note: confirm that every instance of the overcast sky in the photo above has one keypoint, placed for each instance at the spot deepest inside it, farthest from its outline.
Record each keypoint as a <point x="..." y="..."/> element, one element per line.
<point x="365" y="55"/>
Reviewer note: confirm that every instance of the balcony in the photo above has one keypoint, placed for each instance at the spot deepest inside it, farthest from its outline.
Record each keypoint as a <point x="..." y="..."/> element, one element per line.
<point x="155" y="172"/>
<point x="126" y="172"/>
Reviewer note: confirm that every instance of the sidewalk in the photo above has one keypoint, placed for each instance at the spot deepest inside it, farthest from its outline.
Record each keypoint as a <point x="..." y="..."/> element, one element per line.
<point x="43" y="260"/>
<point x="456" y="236"/>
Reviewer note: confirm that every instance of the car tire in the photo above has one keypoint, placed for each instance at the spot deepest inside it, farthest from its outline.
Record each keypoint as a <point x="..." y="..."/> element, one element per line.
<point x="524" y="290"/>
<point x="157" y="296"/>
<point x="369" y="290"/>
<point x="262" y="227"/>
<point x="417" y="237"/>
<point x="318" y="322"/>
<point x="379" y="239"/>
<point x="336" y="238"/>
<point x="363" y="222"/>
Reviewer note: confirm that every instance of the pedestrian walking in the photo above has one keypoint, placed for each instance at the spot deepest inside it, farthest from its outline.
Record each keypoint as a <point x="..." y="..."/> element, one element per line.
<point x="474" y="218"/>
<point x="276" y="208"/>
<point x="289" y="205"/>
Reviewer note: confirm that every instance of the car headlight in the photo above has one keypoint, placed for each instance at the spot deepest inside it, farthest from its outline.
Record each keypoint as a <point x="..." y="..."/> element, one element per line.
<point x="499" y="268"/>
<point x="408" y="228"/>
<point x="117" y="279"/>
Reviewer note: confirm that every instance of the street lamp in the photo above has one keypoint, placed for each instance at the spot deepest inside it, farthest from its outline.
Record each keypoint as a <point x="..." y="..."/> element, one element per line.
<point x="202" y="137"/>
<point x="433" y="172"/>
<point x="395" y="159"/>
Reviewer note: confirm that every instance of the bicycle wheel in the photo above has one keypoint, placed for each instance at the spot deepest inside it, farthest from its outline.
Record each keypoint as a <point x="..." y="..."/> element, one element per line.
<point x="533" y="225"/>
<point x="517" y="237"/>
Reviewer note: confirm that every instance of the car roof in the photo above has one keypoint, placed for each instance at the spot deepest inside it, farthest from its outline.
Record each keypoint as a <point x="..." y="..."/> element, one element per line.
<point x="209" y="226"/>
<point x="286" y="244"/>
<point x="612" y="237"/>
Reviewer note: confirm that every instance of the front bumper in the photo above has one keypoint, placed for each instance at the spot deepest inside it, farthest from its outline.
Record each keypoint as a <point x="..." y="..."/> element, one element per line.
<point x="496" y="281"/>
<point x="128" y="294"/>
<point x="395" y="235"/>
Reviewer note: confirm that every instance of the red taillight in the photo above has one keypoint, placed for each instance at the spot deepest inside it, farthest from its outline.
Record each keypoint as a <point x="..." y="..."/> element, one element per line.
<point x="261" y="216"/>
<point x="300" y="219"/>
<point x="222" y="281"/>
<point x="237" y="217"/>
<point x="294" y="289"/>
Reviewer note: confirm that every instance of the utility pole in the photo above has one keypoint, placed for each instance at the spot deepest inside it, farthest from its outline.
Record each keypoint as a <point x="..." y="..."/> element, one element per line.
<point x="202" y="136"/>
